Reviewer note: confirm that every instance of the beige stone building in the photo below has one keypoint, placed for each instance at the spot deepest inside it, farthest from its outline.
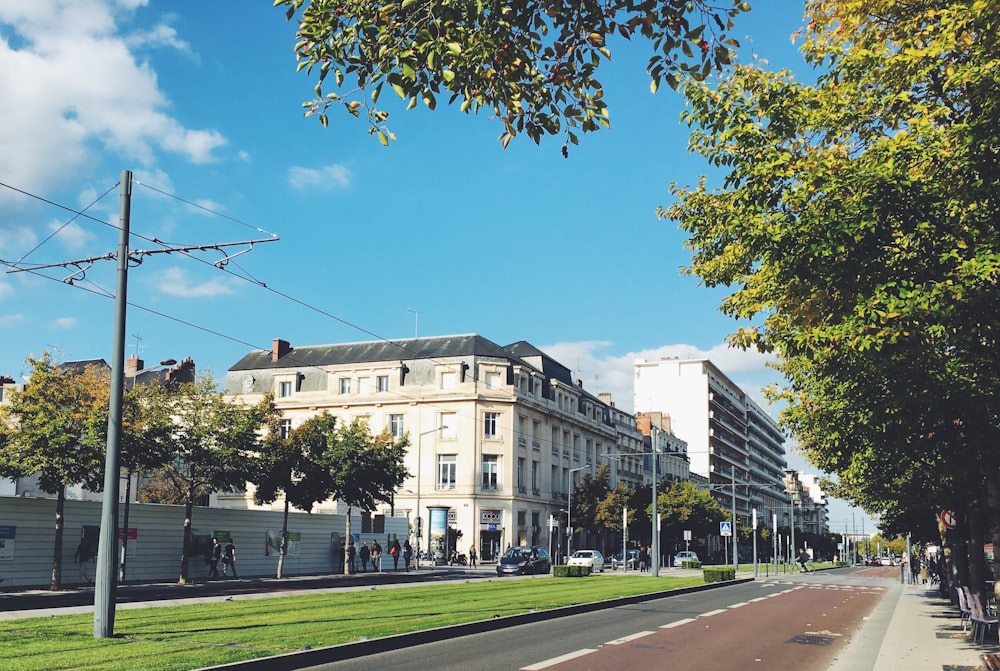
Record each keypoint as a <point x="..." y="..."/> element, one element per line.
<point x="498" y="434"/>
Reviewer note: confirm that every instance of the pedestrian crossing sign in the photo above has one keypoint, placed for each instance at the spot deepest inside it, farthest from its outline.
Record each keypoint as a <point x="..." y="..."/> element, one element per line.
<point x="725" y="528"/>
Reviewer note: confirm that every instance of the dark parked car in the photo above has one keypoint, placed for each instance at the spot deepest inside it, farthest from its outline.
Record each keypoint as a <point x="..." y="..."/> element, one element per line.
<point x="522" y="560"/>
<point x="632" y="562"/>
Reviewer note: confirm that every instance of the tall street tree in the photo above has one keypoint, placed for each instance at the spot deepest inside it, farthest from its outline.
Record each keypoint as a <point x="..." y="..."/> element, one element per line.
<point x="856" y="224"/>
<point x="364" y="469"/>
<point x="293" y="467"/>
<point x="44" y="433"/>
<point x="532" y="65"/>
<point x="214" y="444"/>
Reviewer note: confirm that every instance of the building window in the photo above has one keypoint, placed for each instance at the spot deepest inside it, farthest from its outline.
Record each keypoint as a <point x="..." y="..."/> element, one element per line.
<point x="364" y="385"/>
<point x="284" y="428"/>
<point x="520" y="475"/>
<point x="536" y="433"/>
<point x="491" y="472"/>
<point x="448" y="426"/>
<point x="447" y="466"/>
<point x="382" y="383"/>
<point x="535" y="488"/>
<point x="447" y="380"/>
<point x="284" y="389"/>
<point x="396" y="425"/>
<point x="345" y="385"/>
<point x="491" y="424"/>
<point x="554" y="482"/>
<point x="493" y="380"/>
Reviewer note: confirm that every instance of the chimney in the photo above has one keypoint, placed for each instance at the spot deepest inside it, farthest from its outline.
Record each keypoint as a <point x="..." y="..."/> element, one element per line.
<point x="133" y="365"/>
<point x="605" y="398"/>
<point x="279" y="349"/>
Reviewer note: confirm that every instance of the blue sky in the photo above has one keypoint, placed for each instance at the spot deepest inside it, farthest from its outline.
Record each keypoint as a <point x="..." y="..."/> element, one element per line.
<point x="443" y="232"/>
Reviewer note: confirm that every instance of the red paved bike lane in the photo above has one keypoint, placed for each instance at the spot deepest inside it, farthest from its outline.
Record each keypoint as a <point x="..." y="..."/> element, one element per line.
<point x="800" y="627"/>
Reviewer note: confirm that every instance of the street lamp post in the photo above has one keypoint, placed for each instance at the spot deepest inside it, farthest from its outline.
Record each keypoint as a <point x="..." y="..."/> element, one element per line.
<point x="420" y="519"/>
<point x="655" y="568"/>
<point x="569" y="509"/>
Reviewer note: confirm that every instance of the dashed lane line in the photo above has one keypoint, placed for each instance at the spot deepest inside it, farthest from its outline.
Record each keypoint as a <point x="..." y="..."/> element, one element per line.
<point x="558" y="660"/>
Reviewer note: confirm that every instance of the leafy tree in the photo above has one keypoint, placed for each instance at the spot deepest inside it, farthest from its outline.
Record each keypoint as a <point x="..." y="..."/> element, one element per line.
<point x="214" y="444"/>
<point x="531" y="64"/>
<point x="684" y="506"/>
<point x="44" y="432"/>
<point x="294" y="467"/>
<point x="608" y="511"/>
<point x="857" y="223"/>
<point x="364" y="469"/>
<point x="586" y="495"/>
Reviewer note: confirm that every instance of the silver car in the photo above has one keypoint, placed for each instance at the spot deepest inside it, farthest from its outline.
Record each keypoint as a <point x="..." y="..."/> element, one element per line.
<point x="683" y="556"/>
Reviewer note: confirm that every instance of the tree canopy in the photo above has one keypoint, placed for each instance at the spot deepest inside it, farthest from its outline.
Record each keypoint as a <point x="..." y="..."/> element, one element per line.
<point x="46" y="432"/>
<point x="530" y="64"/>
<point x="856" y="224"/>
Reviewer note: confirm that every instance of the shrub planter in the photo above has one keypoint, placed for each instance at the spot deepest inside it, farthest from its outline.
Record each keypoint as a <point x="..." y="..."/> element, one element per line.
<point x="563" y="571"/>
<point x="719" y="573"/>
<point x="687" y="563"/>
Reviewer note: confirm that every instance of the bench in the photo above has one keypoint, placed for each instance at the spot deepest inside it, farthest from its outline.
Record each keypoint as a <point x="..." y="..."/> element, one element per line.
<point x="991" y="662"/>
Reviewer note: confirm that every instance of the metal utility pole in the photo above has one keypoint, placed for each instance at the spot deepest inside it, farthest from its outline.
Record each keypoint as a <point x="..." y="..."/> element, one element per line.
<point x="105" y="582"/>
<point x="656" y="518"/>
<point x="105" y="578"/>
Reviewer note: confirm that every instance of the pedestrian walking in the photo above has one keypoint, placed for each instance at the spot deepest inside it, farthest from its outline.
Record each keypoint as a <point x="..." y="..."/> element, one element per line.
<point x="338" y="556"/>
<point x="82" y="557"/>
<point x="376" y="556"/>
<point x="407" y="554"/>
<point x="472" y="556"/>
<point x="229" y="558"/>
<point x="364" y="553"/>
<point x="395" y="550"/>
<point x="214" y="555"/>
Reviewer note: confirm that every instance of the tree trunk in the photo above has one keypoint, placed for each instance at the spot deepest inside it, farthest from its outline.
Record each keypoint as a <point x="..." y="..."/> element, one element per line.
<point x="186" y="548"/>
<point x="977" y="558"/>
<point x="55" y="582"/>
<point x="283" y="543"/>
<point x="347" y="543"/>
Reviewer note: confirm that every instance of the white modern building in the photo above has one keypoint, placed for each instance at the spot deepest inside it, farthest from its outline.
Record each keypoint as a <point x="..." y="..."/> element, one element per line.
<point x="731" y="441"/>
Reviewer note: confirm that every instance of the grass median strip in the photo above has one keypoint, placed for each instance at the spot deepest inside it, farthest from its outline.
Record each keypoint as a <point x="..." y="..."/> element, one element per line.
<point x="178" y="638"/>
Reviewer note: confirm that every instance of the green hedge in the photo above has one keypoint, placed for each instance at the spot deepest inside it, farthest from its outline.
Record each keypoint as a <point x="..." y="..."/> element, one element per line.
<point x="719" y="573"/>
<point x="563" y="571"/>
<point x="688" y="563"/>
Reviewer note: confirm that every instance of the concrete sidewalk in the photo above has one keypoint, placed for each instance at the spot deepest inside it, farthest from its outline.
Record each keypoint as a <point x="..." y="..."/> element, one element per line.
<point x="914" y="629"/>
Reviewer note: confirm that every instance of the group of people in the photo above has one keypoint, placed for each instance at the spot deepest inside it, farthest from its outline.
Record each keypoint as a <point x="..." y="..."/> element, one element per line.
<point x="224" y="553"/>
<point x="371" y="554"/>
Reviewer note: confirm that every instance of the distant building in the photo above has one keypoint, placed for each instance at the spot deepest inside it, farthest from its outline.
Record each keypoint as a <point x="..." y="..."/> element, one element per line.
<point x="730" y="439"/>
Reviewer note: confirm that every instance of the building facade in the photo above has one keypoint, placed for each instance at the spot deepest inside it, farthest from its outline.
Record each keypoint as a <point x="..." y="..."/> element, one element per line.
<point x="498" y="434"/>
<point x="730" y="440"/>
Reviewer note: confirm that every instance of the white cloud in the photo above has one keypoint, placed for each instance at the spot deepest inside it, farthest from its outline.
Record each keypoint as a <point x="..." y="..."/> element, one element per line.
<point x="11" y="321"/>
<point x="324" y="179"/>
<point x="64" y="323"/>
<point x="175" y="282"/>
<point x="70" y="81"/>
<point x="160" y="35"/>
<point x="6" y="290"/>
<point x="614" y="374"/>
<point x="16" y="239"/>
<point x="71" y="235"/>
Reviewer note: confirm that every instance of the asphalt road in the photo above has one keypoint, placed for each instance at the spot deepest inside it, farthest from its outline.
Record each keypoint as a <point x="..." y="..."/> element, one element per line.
<point x="790" y="622"/>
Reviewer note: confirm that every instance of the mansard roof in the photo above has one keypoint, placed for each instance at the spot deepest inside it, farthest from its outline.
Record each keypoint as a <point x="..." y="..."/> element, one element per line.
<point x="408" y="349"/>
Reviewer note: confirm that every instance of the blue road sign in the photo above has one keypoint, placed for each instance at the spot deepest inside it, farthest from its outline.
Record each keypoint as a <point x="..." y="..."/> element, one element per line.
<point x="725" y="528"/>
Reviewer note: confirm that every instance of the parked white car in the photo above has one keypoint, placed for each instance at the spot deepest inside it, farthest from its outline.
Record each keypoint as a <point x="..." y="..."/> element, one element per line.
<point x="592" y="558"/>
<point x="683" y="556"/>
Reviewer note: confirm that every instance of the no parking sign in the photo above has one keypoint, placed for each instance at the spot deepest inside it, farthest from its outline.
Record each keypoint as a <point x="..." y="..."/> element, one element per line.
<point x="948" y="519"/>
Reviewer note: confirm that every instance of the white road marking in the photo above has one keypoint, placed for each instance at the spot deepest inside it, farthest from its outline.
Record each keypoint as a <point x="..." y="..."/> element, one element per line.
<point x="630" y="637"/>
<point x="713" y="612"/>
<point x="558" y="660"/>
<point x="678" y="623"/>
<point x="738" y="605"/>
